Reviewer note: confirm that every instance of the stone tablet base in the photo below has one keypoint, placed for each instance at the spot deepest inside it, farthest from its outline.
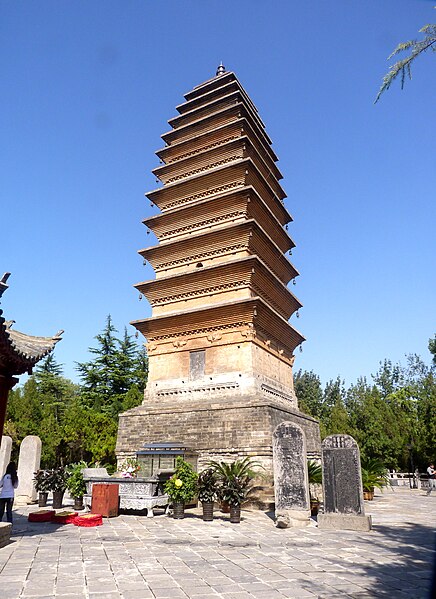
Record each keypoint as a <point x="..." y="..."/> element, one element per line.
<point x="5" y="533"/>
<point x="292" y="518"/>
<point x="344" y="522"/>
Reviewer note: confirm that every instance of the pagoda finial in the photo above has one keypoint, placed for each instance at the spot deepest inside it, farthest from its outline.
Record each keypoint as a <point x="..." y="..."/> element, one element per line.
<point x="221" y="69"/>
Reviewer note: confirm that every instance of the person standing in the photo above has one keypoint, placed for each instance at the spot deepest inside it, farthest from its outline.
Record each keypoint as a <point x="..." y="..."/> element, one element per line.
<point x="8" y="484"/>
<point x="431" y="478"/>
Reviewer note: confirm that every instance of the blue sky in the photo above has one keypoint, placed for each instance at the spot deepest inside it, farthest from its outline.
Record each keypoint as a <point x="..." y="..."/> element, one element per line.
<point x="87" y="89"/>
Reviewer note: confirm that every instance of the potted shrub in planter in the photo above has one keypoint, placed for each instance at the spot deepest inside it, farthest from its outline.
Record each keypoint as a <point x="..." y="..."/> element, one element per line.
<point x="57" y="482"/>
<point x="41" y="486"/>
<point x="374" y="475"/>
<point x="181" y="487"/>
<point x="207" y="492"/>
<point x="234" y="483"/>
<point x="315" y="478"/>
<point x="75" y="483"/>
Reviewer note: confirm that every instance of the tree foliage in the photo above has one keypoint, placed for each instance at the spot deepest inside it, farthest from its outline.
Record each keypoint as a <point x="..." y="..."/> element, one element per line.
<point x="402" y="68"/>
<point x="116" y="367"/>
<point x="393" y="419"/>
<point x="79" y="422"/>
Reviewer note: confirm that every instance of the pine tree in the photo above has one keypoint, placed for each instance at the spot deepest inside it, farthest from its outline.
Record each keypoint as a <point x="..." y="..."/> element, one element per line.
<point x="118" y="365"/>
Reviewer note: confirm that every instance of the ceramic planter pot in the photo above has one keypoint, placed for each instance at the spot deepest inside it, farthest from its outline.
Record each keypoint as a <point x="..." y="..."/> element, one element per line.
<point x="225" y="507"/>
<point x="178" y="510"/>
<point x="207" y="510"/>
<point x="235" y="514"/>
<point x="42" y="498"/>
<point x="57" y="499"/>
<point x="78" y="503"/>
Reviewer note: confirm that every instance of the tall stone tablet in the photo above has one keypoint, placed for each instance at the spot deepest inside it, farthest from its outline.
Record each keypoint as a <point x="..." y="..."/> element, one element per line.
<point x="342" y="485"/>
<point x="291" y="484"/>
<point x="28" y="463"/>
<point x="5" y="453"/>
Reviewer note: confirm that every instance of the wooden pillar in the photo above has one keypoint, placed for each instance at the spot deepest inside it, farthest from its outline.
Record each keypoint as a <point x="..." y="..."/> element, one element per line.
<point x="6" y="383"/>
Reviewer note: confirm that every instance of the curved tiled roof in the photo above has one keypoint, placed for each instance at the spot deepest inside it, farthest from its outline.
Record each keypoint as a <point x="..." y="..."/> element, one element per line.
<point x="20" y="352"/>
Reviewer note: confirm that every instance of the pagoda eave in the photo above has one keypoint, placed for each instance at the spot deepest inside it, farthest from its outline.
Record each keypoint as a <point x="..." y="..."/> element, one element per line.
<point x="252" y="318"/>
<point x="241" y="202"/>
<point x="210" y="283"/>
<point x="222" y="132"/>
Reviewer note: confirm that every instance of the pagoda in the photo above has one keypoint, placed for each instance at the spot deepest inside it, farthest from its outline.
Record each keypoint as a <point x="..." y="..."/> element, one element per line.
<point x="219" y="343"/>
<point x="18" y="354"/>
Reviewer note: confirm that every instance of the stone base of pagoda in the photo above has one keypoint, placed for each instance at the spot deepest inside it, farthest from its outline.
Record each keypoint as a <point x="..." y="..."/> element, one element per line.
<point x="224" y="429"/>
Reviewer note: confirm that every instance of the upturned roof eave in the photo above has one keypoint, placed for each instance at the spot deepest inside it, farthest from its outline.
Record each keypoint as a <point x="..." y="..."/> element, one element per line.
<point x="23" y="350"/>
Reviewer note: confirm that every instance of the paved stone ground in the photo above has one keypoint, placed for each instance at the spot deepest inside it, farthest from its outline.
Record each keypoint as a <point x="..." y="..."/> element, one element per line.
<point x="133" y="557"/>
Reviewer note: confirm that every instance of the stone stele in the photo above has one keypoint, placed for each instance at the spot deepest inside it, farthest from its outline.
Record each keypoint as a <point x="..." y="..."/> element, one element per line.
<point x="5" y="453"/>
<point x="342" y="485"/>
<point x="291" y="485"/>
<point x="28" y="463"/>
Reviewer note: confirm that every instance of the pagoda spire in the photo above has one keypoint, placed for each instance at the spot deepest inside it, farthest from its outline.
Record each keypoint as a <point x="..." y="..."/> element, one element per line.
<point x="221" y="69"/>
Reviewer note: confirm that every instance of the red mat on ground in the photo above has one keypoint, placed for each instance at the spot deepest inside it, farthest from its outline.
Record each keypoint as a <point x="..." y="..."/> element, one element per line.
<point x="88" y="520"/>
<point x="41" y="516"/>
<point x="65" y="517"/>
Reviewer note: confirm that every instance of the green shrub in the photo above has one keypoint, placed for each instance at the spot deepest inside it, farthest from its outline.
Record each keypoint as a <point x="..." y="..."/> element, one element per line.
<point x="207" y="486"/>
<point x="75" y="483"/>
<point x="182" y="486"/>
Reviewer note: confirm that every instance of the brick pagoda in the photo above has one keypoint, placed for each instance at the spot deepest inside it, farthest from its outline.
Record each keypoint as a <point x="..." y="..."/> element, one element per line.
<point x="219" y="342"/>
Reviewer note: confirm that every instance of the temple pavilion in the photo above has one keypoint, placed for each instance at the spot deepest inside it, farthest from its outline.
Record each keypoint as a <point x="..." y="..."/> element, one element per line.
<point x="219" y="343"/>
<point x="18" y="354"/>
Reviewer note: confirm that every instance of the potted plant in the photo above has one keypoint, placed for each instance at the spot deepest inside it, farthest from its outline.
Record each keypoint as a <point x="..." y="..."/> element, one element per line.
<point x="57" y="483"/>
<point x="315" y="478"/>
<point x="234" y="483"/>
<point x="207" y="492"/>
<point x="41" y="486"/>
<point x="374" y="475"/>
<point x="75" y="483"/>
<point x="181" y="487"/>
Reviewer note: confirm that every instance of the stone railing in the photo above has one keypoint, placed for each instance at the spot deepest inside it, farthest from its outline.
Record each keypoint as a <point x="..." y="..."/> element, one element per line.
<point x="409" y="479"/>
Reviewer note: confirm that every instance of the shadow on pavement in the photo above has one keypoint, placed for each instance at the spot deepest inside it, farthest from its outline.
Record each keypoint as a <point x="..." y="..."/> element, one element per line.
<point x="402" y="568"/>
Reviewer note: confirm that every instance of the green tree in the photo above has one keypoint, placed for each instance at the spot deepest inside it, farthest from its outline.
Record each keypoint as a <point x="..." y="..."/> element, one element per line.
<point x="432" y="348"/>
<point x="402" y="68"/>
<point x="117" y="366"/>
<point x="308" y="389"/>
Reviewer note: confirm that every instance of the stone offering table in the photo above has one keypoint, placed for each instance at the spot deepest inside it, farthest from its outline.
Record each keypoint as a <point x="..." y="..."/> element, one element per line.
<point x="134" y="493"/>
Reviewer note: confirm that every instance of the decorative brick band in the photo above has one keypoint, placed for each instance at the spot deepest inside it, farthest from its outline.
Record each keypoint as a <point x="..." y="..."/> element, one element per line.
<point x="203" y="194"/>
<point x="201" y="169"/>
<point x="199" y="292"/>
<point x="201" y="256"/>
<point x="203" y="148"/>
<point x="275" y="393"/>
<point x="203" y="223"/>
<point x="196" y="390"/>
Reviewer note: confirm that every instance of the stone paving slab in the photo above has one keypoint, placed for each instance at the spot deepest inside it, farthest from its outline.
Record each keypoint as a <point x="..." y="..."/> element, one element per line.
<point x="133" y="557"/>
